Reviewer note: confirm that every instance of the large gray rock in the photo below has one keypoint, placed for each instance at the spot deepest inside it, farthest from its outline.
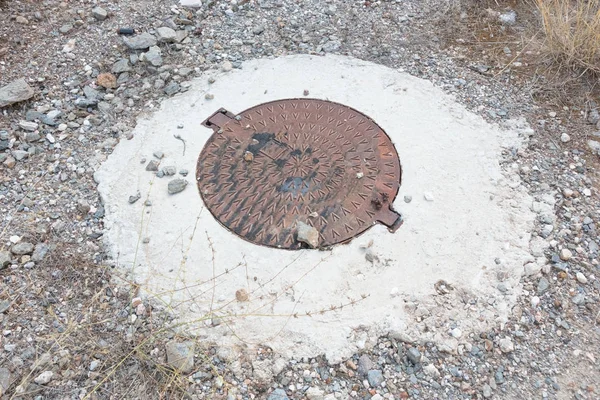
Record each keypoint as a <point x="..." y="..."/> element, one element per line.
<point x="181" y="355"/>
<point x="121" y="66"/>
<point x="140" y="42"/>
<point x="5" y="379"/>
<point x="307" y="234"/>
<point x="99" y="13"/>
<point x="153" y="56"/>
<point x="278" y="394"/>
<point x="15" y="92"/>
<point x="40" y="252"/>
<point x="5" y="258"/>
<point x="176" y="185"/>
<point x="166" y="34"/>
<point x="22" y="248"/>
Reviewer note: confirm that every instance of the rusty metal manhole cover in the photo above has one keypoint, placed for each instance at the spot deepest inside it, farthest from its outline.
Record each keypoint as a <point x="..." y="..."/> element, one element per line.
<point x="277" y="164"/>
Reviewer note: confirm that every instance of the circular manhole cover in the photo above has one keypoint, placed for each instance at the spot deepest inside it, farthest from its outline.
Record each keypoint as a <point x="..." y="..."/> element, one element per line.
<point x="287" y="169"/>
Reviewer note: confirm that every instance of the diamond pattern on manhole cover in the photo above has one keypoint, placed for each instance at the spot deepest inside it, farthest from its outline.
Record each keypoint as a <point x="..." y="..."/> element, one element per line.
<point x="276" y="165"/>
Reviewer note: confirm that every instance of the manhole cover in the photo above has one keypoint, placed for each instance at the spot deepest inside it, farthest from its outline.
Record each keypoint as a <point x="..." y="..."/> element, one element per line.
<point x="298" y="160"/>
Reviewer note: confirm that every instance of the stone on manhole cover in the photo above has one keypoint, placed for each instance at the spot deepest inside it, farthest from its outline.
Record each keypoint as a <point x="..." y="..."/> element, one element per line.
<point x="277" y="164"/>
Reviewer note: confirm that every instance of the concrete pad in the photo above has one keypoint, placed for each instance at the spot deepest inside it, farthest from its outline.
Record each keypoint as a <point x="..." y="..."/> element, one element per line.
<point x="468" y="222"/>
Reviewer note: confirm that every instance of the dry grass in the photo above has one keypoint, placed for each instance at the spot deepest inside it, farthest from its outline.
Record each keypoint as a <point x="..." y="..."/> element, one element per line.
<point x="572" y="30"/>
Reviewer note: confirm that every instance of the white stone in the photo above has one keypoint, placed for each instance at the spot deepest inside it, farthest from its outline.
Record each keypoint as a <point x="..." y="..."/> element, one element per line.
<point x="456" y="333"/>
<point x="44" y="378"/>
<point x="428" y="196"/>
<point x="535" y="301"/>
<point x="506" y="345"/>
<point x="565" y="254"/>
<point x="587" y="192"/>
<point x="28" y="126"/>
<point x="581" y="278"/>
<point x="565" y="137"/>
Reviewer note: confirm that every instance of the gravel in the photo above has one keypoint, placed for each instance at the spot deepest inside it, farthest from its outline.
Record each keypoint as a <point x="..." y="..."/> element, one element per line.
<point x="64" y="69"/>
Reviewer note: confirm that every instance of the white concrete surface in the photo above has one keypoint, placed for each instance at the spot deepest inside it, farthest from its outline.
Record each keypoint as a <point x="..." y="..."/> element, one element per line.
<point x="475" y="217"/>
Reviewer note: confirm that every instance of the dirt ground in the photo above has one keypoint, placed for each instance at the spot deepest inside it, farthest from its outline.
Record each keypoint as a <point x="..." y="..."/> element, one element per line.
<point x="73" y="324"/>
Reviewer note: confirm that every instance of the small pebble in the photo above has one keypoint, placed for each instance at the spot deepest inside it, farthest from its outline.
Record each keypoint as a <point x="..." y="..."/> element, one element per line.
<point x="581" y="278"/>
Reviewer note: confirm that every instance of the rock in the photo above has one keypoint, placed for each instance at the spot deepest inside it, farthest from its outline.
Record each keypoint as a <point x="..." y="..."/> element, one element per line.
<point x="66" y="28"/>
<point x="241" y="295"/>
<point x="86" y="103"/>
<point x="166" y="34"/>
<point x="152" y="165"/>
<point x="177" y="185"/>
<point x="593" y="116"/>
<point x="44" y="378"/>
<point x="181" y="355"/>
<point x="172" y="88"/>
<point x="565" y="254"/>
<point x="99" y="13"/>
<point x="364" y="365"/>
<point x="28" y="126"/>
<point x="487" y="391"/>
<point x="22" y="248"/>
<point x="594" y="145"/>
<point x="543" y="286"/>
<point x="414" y="355"/>
<point x="456" y="333"/>
<point x="278" y="394"/>
<point x="210" y="96"/>
<point x="94" y="365"/>
<point x="4" y="305"/>
<point x="565" y="138"/>
<point x="314" y="393"/>
<point x="153" y="56"/>
<point x="538" y="246"/>
<point x="375" y="377"/>
<point x="532" y="268"/>
<point x="226" y="66"/>
<point x="107" y="80"/>
<point x="15" y="92"/>
<point x="121" y="66"/>
<point x="578" y="299"/>
<point x="535" y="301"/>
<point x="91" y="93"/>
<point x="5" y="380"/>
<point x="581" y="278"/>
<point x="307" y="234"/>
<point x="20" y="154"/>
<point x="257" y="30"/>
<point x="407" y="199"/>
<point x="431" y="370"/>
<point x="428" y="196"/>
<point x="140" y="42"/>
<point x="40" y="252"/>
<point x="169" y="170"/>
<point x="508" y="18"/>
<point x="506" y="345"/>
<point x="5" y="258"/>
<point x="132" y="199"/>
<point x="262" y="371"/>
<point x="21" y="20"/>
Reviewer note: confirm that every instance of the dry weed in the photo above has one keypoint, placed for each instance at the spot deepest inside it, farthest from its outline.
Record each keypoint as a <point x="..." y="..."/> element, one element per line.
<point x="572" y="30"/>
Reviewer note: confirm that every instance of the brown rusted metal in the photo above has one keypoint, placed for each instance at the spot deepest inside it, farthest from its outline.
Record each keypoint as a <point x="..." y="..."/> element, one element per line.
<point x="308" y="160"/>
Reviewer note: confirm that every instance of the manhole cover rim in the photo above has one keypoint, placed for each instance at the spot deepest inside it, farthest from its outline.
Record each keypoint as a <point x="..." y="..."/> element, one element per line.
<point x="231" y="122"/>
